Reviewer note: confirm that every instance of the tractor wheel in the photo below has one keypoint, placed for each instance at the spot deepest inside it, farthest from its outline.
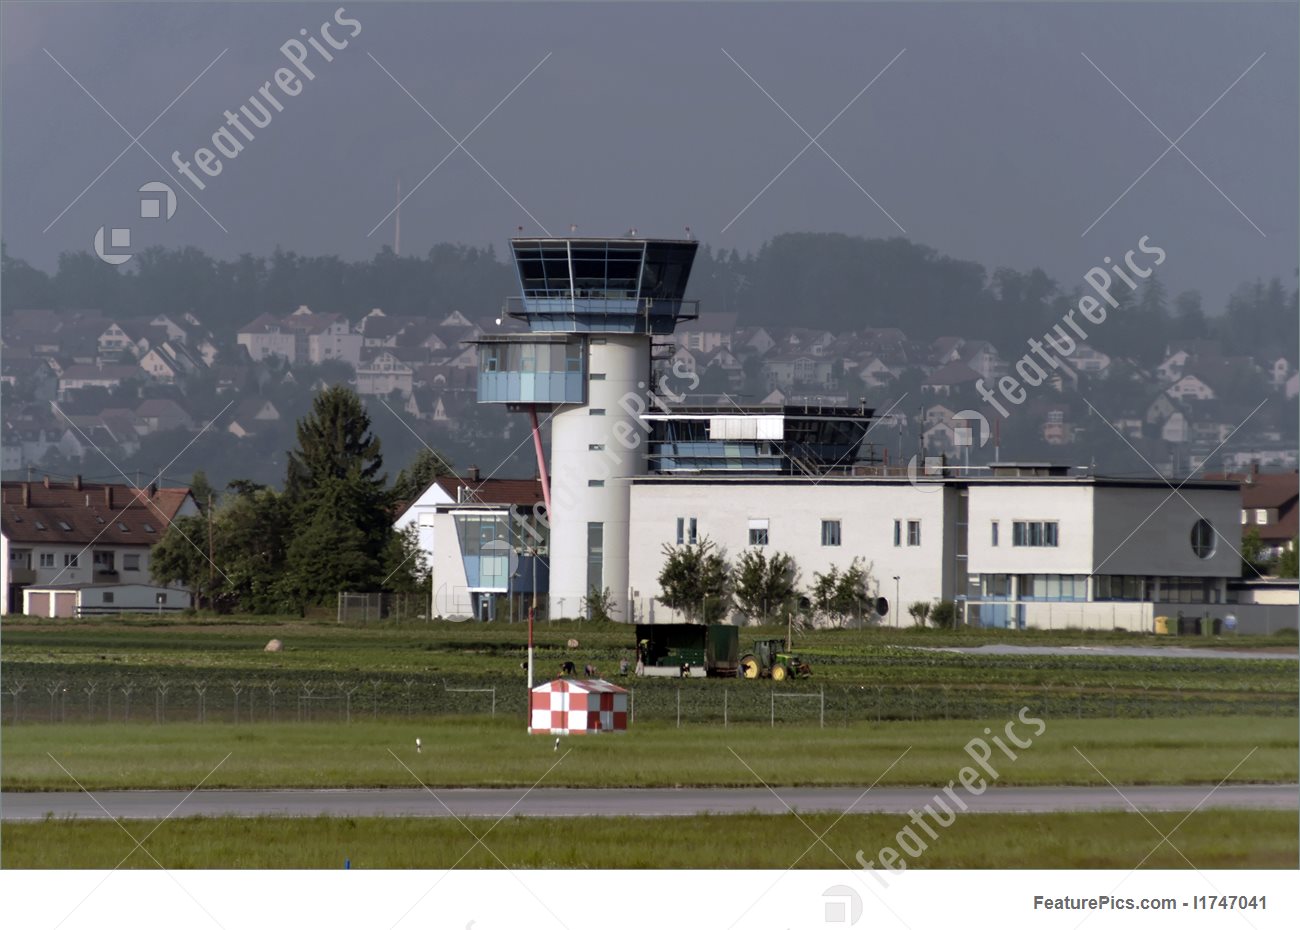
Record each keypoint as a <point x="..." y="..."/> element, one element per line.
<point x="779" y="673"/>
<point x="749" y="667"/>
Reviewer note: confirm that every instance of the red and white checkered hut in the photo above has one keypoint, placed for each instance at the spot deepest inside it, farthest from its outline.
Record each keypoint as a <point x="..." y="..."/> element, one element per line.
<point x="567" y="705"/>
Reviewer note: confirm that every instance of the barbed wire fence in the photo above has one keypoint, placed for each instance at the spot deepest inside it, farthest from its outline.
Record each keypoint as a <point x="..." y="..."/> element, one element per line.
<point x="352" y="700"/>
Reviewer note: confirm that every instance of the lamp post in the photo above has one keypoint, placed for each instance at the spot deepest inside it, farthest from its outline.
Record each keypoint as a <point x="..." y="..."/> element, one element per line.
<point x="898" y="616"/>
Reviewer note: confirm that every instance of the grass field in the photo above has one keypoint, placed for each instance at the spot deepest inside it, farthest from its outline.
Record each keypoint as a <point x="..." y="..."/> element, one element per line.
<point x="114" y="669"/>
<point x="480" y="751"/>
<point x="1210" y="839"/>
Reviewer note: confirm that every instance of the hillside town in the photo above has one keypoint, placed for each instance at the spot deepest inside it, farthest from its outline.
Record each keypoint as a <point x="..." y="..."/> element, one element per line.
<point x="82" y="386"/>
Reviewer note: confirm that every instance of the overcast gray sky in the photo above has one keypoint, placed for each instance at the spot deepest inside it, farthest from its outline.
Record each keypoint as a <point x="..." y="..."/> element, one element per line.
<point x="991" y="137"/>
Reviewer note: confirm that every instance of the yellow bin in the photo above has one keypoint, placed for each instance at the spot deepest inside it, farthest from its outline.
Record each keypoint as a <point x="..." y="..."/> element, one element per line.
<point x="1162" y="626"/>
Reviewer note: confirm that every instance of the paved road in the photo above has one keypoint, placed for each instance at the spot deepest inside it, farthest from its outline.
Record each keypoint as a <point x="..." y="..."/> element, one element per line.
<point x="640" y="802"/>
<point x="1145" y="652"/>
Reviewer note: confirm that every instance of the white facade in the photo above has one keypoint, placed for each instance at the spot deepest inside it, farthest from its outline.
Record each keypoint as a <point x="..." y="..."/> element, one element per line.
<point x="595" y="449"/>
<point x="795" y="511"/>
<point x="98" y="599"/>
<point x="1065" y="551"/>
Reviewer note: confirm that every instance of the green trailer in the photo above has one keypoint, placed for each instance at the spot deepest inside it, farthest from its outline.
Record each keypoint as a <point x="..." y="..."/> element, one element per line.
<point x="687" y="650"/>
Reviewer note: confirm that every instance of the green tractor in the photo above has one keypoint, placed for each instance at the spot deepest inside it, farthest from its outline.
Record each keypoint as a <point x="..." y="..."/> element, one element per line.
<point x="770" y="660"/>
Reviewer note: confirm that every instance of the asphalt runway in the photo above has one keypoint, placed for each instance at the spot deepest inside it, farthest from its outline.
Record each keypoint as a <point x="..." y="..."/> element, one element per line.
<point x="637" y="802"/>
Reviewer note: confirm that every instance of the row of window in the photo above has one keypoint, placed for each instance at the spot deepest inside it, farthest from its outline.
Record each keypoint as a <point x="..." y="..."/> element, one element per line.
<point x="1028" y="533"/>
<point x="1048" y="587"/>
<point x="102" y="560"/>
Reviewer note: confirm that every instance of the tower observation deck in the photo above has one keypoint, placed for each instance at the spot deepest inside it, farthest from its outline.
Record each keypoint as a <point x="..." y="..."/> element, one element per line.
<point x="592" y="307"/>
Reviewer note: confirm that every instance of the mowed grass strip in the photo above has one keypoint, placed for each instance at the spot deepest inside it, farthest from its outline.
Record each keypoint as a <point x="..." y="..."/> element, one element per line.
<point x="1210" y="839"/>
<point x="498" y="753"/>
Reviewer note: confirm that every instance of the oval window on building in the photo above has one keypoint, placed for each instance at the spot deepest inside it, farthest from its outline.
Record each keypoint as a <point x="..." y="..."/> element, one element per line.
<point x="1203" y="539"/>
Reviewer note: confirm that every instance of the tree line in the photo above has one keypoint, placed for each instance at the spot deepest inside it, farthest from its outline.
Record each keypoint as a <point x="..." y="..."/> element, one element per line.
<point x="847" y="282"/>
<point x="698" y="580"/>
<point x="254" y="549"/>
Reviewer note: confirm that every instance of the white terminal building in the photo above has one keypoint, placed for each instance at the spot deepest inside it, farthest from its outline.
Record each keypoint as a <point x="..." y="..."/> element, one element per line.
<point x="631" y="469"/>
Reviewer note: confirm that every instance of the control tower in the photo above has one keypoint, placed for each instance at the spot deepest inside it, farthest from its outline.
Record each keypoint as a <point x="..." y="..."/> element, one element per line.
<point x="592" y="307"/>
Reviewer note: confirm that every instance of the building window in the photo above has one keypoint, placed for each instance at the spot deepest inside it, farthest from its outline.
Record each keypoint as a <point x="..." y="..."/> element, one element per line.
<point x="595" y="557"/>
<point x="597" y="376"/>
<point x="993" y="533"/>
<point x="758" y="532"/>
<point x="108" y="597"/>
<point x="687" y="531"/>
<point x="595" y="411"/>
<point x="830" y="532"/>
<point x="131" y="563"/>
<point x="1245" y="517"/>
<point x="693" y="536"/>
<point x="914" y="532"/>
<point x="69" y="560"/>
<point x="1203" y="539"/>
<point x="898" y="532"/>
<point x="1053" y="587"/>
<point x="1261" y="517"/>
<point x="47" y="560"/>
<point x="103" y="560"/>
<point x="1117" y="588"/>
<point x="596" y="482"/>
<point x="1033" y="533"/>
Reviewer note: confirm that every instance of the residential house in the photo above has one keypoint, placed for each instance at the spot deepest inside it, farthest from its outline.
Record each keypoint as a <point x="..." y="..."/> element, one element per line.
<point x="1190" y="387"/>
<point x="381" y="372"/>
<point x="251" y="416"/>
<point x="949" y="378"/>
<point x="162" y="413"/>
<point x="81" y="533"/>
<point x="708" y="333"/>
<point x="78" y="377"/>
<point x="168" y="361"/>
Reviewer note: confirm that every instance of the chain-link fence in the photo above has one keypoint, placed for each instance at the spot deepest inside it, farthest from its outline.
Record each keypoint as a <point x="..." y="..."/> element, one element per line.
<point x="375" y="606"/>
<point x="32" y="699"/>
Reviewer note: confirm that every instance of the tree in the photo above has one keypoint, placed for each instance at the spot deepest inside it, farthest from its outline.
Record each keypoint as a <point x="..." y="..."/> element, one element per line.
<point x="405" y="567"/>
<point x="920" y="612"/>
<point x="334" y="440"/>
<point x="696" y="580"/>
<point x="766" y="589"/>
<point x="412" y="480"/>
<point x="944" y="615"/>
<point x="249" y="534"/>
<point x="332" y="549"/>
<point x="1253" y="559"/>
<point x="340" y="509"/>
<point x="841" y="595"/>
<point x="1288" y="566"/>
<point x="598" y="605"/>
<point x="204" y="493"/>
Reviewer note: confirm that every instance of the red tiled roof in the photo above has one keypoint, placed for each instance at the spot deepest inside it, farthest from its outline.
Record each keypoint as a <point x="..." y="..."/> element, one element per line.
<point x="114" y="513"/>
<point x="495" y="490"/>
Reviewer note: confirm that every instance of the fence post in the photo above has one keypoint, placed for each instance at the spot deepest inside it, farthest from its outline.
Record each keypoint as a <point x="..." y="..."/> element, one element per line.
<point x="823" y="712"/>
<point x="494" y="702"/>
<point x="772" y="715"/>
<point x="631" y="705"/>
<point x="374" y="698"/>
<point x="679" y="707"/>
<point x="725" y="691"/>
